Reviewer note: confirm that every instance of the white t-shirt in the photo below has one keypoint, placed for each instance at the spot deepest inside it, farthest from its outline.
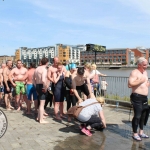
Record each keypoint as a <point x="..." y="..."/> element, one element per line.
<point x="103" y="85"/>
<point x="88" y="111"/>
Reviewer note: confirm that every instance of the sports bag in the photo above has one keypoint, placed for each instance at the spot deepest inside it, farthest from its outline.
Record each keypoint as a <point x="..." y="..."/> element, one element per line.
<point x="75" y="110"/>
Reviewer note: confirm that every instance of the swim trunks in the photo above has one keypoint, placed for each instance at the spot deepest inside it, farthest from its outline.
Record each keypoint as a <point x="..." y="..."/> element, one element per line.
<point x="20" y="88"/>
<point x="5" y="88"/>
<point x="31" y="91"/>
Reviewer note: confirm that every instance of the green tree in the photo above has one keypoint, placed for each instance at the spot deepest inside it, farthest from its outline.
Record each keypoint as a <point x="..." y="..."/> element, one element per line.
<point x="77" y="63"/>
<point x="131" y="62"/>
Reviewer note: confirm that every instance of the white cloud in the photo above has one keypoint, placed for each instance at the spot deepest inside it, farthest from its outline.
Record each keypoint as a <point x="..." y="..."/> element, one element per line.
<point x="79" y="15"/>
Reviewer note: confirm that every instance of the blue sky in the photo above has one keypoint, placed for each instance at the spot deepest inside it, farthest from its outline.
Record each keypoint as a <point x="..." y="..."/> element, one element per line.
<point x="40" y="23"/>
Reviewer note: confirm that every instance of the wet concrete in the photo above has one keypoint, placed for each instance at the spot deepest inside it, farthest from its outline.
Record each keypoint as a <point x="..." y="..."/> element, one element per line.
<point x="25" y="133"/>
<point x="115" y="137"/>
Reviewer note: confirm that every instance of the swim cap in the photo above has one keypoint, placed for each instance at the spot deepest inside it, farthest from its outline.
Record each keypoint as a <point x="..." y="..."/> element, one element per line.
<point x="68" y="67"/>
<point x="73" y="66"/>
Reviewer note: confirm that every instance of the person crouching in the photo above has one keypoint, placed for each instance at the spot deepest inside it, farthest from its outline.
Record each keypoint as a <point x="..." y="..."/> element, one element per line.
<point x="91" y="116"/>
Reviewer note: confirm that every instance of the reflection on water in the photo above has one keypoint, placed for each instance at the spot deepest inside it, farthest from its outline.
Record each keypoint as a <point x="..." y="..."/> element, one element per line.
<point x="143" y="145"/>
<point x="83" y="142"/>
<point x="114" y="137"/>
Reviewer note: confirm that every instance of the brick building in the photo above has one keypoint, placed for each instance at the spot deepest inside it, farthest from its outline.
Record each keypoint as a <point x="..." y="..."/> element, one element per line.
<point x="117" y="56"/>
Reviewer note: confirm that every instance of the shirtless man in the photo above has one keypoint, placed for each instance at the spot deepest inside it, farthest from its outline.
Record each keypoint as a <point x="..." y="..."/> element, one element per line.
<point x="41" y="83"/>
<point x="53" y="69"/>
<point x="18" y="73"/>
<point x="81" y="83"/>
<point x="3" y="65"/>
<point x="30" y="87"/>
<point x="7" y="85"/>
<point x="138" y="81"/>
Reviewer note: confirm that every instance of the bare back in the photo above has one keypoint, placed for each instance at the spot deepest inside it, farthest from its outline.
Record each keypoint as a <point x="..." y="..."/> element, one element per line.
<point x="30" y="76"/>
<point x="41" y="75"/>
<point x="80" y="80"/>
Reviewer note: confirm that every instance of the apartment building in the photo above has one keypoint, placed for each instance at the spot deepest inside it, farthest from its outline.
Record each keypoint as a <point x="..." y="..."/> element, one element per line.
<point x="28" y="55"/>
<point x="17" y="55"/>
<point x="140" y="52"/>
<point x="4" y="58"/>
<point x="69" y="53"/>
<point x="63" y="52"/>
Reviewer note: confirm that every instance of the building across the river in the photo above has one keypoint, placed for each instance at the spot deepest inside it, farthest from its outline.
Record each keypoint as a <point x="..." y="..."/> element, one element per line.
<point x="28" y="55"/>
<point x="78" y="54"/>
<point x="65" y="53"/>
<point x="4" y="58"/>
<point x="116" y="56"/>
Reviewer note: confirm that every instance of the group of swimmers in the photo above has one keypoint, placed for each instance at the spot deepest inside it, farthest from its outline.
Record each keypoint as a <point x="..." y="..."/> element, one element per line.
<point x="44" y="85"/>
<point x="55" y="82"/>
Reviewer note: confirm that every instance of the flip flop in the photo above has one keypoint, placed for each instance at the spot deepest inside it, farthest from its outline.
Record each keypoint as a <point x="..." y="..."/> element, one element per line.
<point x="137" y="138"/>
<point x="143" y="135"/>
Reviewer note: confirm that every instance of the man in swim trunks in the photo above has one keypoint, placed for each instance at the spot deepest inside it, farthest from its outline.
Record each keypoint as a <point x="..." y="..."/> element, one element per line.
<point x="30" y="88"/>
<point x="18" y="73"/>
<point x="41" y="82"/>
<point x="3" y="65"/>
<point x="81" y="83"/>
<point x="7" y="85"/>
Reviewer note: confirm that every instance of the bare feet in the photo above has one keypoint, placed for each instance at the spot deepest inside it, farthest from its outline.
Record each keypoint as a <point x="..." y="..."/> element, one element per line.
<point x="45" y="114"/>
<point x="38" y="118"/>
<point x="11" y="107"/>
<point x="24" y="108"/>
<point x="44" y="117"/>
<point x="18" y="109"/>
<point x="69" y="119"/>
<point x="64" y="113"/>
<point x="58" y="118"/>
<point x="43" y="121"/>
<point x="64" y="117"/>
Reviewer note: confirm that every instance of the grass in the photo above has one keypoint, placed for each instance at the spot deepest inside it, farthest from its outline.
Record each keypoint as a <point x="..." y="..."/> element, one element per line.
<point x="117" y="97"/>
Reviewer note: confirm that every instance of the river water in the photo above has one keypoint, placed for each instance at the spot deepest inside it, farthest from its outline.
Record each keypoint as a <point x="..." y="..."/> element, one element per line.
<point x="119" y="72"/>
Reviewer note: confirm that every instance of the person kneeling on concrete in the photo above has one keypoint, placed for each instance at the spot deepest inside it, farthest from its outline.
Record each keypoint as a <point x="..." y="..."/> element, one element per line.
<point x="91" y="116"/>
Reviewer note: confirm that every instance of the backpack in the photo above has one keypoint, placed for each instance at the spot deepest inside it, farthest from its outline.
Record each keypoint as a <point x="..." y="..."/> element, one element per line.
<point x="95" y="78"/>
<point x="75" y="110"/>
